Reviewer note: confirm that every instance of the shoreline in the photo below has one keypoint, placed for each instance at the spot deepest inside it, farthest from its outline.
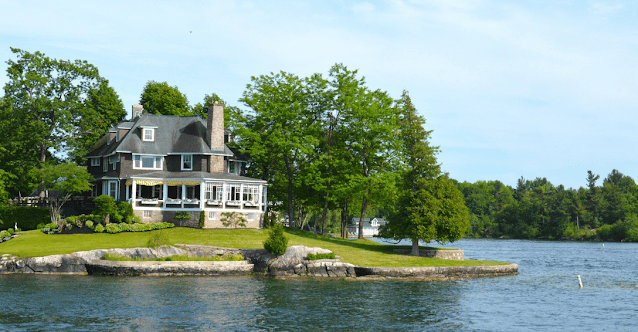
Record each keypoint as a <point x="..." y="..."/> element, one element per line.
<point x="257" y="262"/>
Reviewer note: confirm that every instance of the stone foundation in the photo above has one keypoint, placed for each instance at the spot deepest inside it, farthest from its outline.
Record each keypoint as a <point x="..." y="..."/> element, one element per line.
<point x="452" y="254"/>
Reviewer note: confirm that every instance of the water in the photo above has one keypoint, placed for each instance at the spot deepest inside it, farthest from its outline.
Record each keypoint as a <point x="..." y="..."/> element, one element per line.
<point x="543" y="297"/>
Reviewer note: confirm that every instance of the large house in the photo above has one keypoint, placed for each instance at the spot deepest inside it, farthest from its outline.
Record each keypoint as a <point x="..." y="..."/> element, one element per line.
<point x="370" y="226"/>
<point x="174" y="166"/>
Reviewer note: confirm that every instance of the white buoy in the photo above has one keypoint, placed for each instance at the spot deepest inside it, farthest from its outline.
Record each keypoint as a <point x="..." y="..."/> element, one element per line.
<point x="580" y="282"/>
<point x="603" y="245"/>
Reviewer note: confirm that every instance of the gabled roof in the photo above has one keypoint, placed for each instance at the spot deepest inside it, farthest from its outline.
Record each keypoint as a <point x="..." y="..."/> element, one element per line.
<point x="173" y="135"/>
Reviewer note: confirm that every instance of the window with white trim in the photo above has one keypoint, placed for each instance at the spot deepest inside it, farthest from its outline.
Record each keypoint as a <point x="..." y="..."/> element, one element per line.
<point x="105" y="164"/>
<point x="214" y="191"/>
<point x="148" y="134"/>
<point x="147" y="214"/>
<point x="250" y="217"/>
<point x="113" y="189"/>
<point x="251" y="194"/>
<point x="234" y="192"/>
<point x="187" y="162"/>
<point x="147" y="162"/>
<point x="212" y="215"/>
<point x="95" y="161"/>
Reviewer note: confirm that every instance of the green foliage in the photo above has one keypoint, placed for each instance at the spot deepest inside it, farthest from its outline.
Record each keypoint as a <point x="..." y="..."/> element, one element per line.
<point x="158" y="239"/>
<point x="104" y="204"/>
<point x="99" y="228"/>
<point x="233" y="219"/>
<point x="314" y="257"/>
<point x="182" y="215"/>
<point x="27" y="218"/>
<point x="11" y="231"/>
<point x="177" y="258"/>
<point x="46" y="110"/>
<point x="161" y="98"/>
<point x="4" y="234"/>
<point x="202" y="219"/>
<point x="89" y="224"/>
<point x="277" y="242"/>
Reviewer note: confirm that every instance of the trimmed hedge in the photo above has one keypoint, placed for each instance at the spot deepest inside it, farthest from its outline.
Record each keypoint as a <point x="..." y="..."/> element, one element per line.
<point x="27" y="218"/>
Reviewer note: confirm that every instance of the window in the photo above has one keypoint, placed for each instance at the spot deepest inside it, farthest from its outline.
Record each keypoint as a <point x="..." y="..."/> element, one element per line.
<point x="250" y="217"/>
<point x="147" y="214"/>
<point x="251" y="194"/>
<point x="113" y="189"/>
<point x="147" y="162"/>
<point x="149" y="192"/>
<point x="214" y="191"/>
<point x="105" y="165"/>
<point x="192" y="192"/>
<point x="148" y="134"/>
<point x="212" y="215"/>
<point x="234" y="192"/>
<point x="94" y="190"/>
<point x="237" y="168"/>
<point x="187" y="162"/>
<point x="95" y="161"/>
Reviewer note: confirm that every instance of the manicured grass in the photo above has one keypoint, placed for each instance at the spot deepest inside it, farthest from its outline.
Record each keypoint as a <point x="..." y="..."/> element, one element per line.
<point x="357" y="252"/>
<point x="182" y="258"/>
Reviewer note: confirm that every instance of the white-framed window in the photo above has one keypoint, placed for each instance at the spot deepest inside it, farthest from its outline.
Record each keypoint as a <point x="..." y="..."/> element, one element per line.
<point x="250" y="217"/>
<point x="251" y="194"/>
<point x="212" y="215"/>
<point x="94" y="190"/>
<point x="187" y="162"/>
<point x="147" y="162"/>
<point x="148" y="134"/>
<point x="105" y="164"/>
<point x="147" y="214"/>
<point x="234" y="192"/>
<point x="214" y="191"/>
<point x="95" y="161"/>
<point x="112" y="189"/>
<point x="192" y="192"/>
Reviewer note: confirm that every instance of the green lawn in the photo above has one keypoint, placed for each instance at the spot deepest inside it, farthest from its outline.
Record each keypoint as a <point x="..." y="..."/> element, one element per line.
<point x="357" y="252"/>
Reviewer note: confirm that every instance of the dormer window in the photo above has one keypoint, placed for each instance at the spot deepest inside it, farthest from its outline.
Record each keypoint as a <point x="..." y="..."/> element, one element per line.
<point x="187" y="162"/>
<point x="148" y="134"/>
<point x="95" y="161"/>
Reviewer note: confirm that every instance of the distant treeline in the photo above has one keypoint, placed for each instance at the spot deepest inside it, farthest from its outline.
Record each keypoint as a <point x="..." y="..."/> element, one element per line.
<point x="537" y="209"/>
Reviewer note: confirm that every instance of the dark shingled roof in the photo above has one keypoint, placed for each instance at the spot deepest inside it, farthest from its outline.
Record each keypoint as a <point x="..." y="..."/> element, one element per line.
<point x="194" y="175"/>
<point x="173" y="135"/>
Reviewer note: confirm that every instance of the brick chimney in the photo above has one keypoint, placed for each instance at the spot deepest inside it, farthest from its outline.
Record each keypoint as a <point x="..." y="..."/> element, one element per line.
<point x="137" y="111"/>
<point x="215" y="136"/>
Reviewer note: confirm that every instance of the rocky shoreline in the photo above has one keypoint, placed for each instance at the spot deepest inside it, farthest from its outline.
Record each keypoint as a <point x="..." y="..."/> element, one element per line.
<point x="292" y="264"/>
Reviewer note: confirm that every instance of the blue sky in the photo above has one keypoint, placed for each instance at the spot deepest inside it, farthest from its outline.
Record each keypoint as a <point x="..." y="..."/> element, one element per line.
<point x="511" y="89"/>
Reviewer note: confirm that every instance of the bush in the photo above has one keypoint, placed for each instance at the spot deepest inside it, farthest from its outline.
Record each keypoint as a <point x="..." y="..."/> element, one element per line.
<point x="202" y="219"/>
<point x="27" y="218"/>
<point x="277" y="242"/>
<point x="99" y="228"/>
<point x="157" y="239"/>
<point x="313" y="257"/>
<point x="10" y="230"/>
<point x="4" y="234"/>
<point x="89" y="224"/>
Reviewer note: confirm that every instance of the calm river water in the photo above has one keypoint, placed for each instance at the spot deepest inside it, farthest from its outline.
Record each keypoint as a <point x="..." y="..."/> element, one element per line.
<point x="543" y="297"/>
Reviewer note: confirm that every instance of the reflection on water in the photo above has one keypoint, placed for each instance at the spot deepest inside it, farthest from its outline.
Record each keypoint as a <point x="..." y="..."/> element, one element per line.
<point x="544" y="296"/>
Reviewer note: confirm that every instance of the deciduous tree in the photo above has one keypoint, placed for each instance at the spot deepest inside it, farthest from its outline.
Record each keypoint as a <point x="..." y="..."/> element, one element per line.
<point x="161" y="98"/>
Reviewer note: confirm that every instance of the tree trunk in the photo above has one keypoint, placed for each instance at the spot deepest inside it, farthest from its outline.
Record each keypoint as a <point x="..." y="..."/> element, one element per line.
<point x="323" y="217"/>
<point x="415" y="247"/>
<point x="364" y="206"/>
<point x="344" y="220"/>
<point x="42" y="157"/>
<point x="291" y="211"/>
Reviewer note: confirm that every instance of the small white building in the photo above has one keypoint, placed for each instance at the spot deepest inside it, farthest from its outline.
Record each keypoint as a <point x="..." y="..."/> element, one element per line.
<point x="370" y="226"/>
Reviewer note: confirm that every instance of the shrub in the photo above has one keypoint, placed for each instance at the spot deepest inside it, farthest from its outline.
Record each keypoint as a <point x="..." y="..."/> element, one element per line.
<point x="112" y="228"/>
<point x="99" y="228"/>
<point x="4" y="234"/>
<point x="202" y="219"/>
<point x="137" y="220"/>
<point x="27" y="218"/>
<point x="277" y="242"/>
<point x="10" y="230"/>
<point x="157" y="239"/>
<point x="89" y="224"/>
<point x="313" y="257"/>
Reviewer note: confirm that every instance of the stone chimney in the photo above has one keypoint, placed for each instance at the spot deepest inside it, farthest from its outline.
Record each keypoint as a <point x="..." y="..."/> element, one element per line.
<point x="137" y="111"/>
<point x="215" y="136"/>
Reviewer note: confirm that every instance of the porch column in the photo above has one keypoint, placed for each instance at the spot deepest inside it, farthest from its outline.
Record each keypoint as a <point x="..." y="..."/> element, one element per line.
<point x="183" y="195"/>
<point x="241" y="196"/>
<point x="202" y="193"/>
<point x="224" y="189"/>
<point x="259" y="193"/>
<point x="164" y="193"/>
<point x="265" y="198"/>
<point x="133" y="192"/>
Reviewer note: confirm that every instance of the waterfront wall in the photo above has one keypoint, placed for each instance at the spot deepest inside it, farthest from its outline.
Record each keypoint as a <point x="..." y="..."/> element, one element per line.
<point x="452" y="254"/>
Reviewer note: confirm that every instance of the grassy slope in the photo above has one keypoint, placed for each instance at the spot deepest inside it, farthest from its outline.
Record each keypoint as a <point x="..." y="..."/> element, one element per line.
<point x="357" y="252"/>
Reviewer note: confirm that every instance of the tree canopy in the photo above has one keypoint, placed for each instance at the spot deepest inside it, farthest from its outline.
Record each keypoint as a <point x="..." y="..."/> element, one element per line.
<point x="161" y="98"/>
